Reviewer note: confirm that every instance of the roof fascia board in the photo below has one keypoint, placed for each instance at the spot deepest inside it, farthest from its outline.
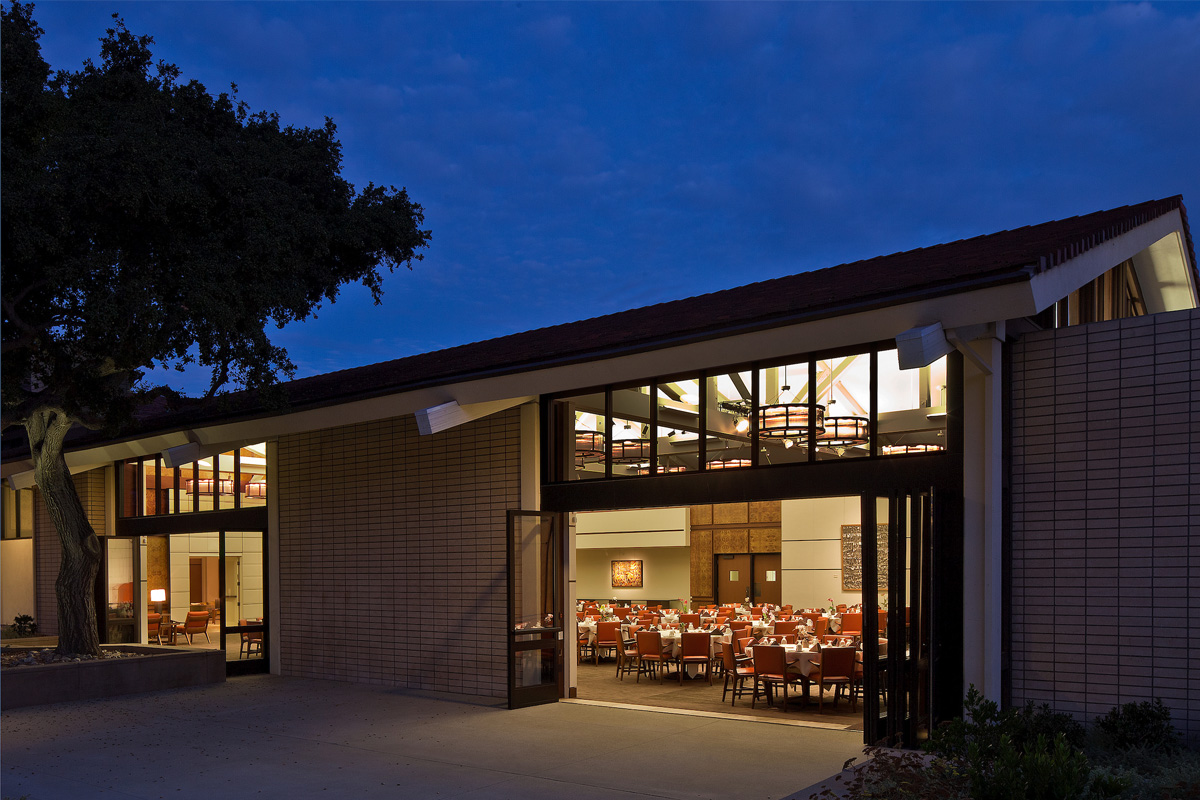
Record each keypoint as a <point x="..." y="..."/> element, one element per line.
<point x="989" y="304"/>
<point x="1053" y="284"/>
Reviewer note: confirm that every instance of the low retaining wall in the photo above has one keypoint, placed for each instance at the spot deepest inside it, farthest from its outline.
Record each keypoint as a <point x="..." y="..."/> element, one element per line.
<point x="88" y="680"/>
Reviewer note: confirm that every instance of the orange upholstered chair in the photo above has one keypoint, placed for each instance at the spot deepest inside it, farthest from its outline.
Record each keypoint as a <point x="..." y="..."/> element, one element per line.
<point x="737" y="670"/>
<point x="251" y="641"/>
<point x="836" y="668"/>
<point x="786" y="627"/>
<point x="771" y="672"/>
<point x="627" y="654"/>
<point x="154" y="628"/>
<point x="608" y="637"/>
<point x="852" y="623"/>
<point x="696" y="649"/>
<point x="650" y="655"/>
<point x="195" y="624"/>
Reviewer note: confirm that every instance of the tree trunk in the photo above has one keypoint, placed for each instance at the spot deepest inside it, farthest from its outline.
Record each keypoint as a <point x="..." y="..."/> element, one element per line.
<point x="75" y="587"/>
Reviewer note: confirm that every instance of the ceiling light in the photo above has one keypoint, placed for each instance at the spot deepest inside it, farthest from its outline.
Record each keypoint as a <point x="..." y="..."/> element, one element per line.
<point x="788" y="420"/>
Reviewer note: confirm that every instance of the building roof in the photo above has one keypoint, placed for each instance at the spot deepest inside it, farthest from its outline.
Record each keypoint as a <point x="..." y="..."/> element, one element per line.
<point x="993" y="259"/>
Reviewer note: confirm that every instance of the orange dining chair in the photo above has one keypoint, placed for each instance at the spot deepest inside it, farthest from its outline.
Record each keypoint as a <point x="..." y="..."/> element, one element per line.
<point x="195" y="624"/>
<point x="627" y="653"/>
<point x="771" y="672"/>
<point x="154" y="628"/>
<point x="251" y="641"/>
<point x="689" y="619"/>
<point x="741" y="643"/>
<point x="583" y="643"/>
<point x="696" y="649"/>
<point x="789" y="626"/>
<point x="852" y="623"/>
<point x="835" y="668"/>
<point x="608" y="637"/>
<point x="737" y="670"/>
<point x="650" y="655"/>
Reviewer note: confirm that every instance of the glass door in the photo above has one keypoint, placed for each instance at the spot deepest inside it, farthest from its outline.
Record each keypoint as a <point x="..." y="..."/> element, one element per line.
<point x="243" y="601"/>
<point x="897" y="564"/>
<point x="535" y="603"/>
<point x="116" y="592"/>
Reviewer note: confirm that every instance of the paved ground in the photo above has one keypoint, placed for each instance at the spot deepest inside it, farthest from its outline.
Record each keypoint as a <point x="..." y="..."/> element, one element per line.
<point x="265" y="736"/>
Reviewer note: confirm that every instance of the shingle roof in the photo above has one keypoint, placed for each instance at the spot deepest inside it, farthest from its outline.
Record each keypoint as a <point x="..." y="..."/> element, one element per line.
<point x="1005" y="256"/>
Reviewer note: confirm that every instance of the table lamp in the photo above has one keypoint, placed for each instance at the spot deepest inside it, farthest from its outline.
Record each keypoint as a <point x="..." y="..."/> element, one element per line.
<point x="158" y="597"/>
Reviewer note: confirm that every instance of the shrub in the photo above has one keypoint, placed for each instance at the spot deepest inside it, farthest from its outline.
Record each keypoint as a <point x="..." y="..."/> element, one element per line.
<point x="1139" y="725"/>
<point x="23" y="625"/>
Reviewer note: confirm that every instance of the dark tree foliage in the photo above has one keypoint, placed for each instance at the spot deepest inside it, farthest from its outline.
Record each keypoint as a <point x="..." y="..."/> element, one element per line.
<point x="148" y="222"/>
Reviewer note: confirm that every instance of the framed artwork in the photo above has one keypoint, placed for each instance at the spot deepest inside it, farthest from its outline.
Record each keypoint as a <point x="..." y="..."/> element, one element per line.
<point x="852" y="566"/>
<point x="627" y="574"/>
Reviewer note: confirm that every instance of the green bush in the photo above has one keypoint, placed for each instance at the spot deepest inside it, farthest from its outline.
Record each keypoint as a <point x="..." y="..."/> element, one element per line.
<point x="1139" y="725"/>
<point x="23" y="625"/>
<point x="1032" y="753"/>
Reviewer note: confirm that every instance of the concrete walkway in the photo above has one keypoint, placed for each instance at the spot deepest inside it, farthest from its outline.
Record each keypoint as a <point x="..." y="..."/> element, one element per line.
<point x="266" y="736"/>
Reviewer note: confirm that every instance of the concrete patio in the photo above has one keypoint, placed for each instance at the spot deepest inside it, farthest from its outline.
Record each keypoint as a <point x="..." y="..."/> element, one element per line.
<point x="266" y="736"/>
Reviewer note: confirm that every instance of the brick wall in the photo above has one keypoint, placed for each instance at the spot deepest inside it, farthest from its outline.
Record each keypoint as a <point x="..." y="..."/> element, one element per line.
<point x="1106" y="516"/>
<point x="47" y="554"/>
<point x="392" y="553"/>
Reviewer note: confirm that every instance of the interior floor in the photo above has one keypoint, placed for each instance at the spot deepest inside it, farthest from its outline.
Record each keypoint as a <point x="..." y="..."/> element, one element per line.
<point x="600" y="682"/>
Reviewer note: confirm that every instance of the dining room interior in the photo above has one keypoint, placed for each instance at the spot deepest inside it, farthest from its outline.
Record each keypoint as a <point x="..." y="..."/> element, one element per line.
<point x="752" y="575"/>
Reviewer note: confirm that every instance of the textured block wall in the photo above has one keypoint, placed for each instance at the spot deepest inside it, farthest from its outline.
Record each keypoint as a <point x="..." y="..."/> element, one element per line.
<point x="392" y="553"/>
<point x="1106" y="516"/>
<point x="47" y="554"/>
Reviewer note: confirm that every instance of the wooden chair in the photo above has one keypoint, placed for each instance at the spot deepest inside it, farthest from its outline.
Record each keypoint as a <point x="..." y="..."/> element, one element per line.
<point x="835" y="668"/>
<point x="627" y="654"/>
<point x="608" y="637"/>
<point x="195" y="624"/>
<point x="740" y="643"/>
<point x="771" y="672"/>
<point x="583" y="643"/>
<point x="251" y="641"/>
<point x="786" y="627"/>
<point x="737" y="670"/>
<point x="696" y="648"/>
<point x="154" y="628"/>
<point x="650" y="655"/>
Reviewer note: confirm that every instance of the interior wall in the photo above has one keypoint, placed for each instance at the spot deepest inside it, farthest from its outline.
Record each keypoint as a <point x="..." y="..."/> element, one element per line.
<point x="812" y="550"/>
<point x="666" y="573"/>
<point x="16" y="579"/>
<point x="245" y="547"/>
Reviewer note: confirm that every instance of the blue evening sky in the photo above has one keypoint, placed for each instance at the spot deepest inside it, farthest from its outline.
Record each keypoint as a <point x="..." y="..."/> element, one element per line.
<point x="576" y="159"/>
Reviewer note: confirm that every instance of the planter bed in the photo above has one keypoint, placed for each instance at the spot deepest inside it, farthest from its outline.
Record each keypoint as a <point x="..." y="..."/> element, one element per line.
<point x="158" y="669"/>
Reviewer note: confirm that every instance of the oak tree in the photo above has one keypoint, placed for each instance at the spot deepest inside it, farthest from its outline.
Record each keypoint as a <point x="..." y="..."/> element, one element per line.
<point x="147" y="222"/>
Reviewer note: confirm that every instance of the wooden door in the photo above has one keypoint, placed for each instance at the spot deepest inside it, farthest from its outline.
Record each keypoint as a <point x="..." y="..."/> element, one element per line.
<point x="768" y="580"/>
<point x="732" y="578"/>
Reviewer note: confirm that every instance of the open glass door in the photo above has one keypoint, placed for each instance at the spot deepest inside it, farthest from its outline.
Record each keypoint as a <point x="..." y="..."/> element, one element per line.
<point x="243" y="601"/>
<point x="897" y="561"/>
<point x="535" y="618"/>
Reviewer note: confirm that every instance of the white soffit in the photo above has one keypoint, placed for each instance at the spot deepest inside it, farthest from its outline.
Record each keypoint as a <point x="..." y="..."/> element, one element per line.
<point x="1165" y="277"/>
<point x="1164" y="272"/>
<point x="445" y="416"/>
